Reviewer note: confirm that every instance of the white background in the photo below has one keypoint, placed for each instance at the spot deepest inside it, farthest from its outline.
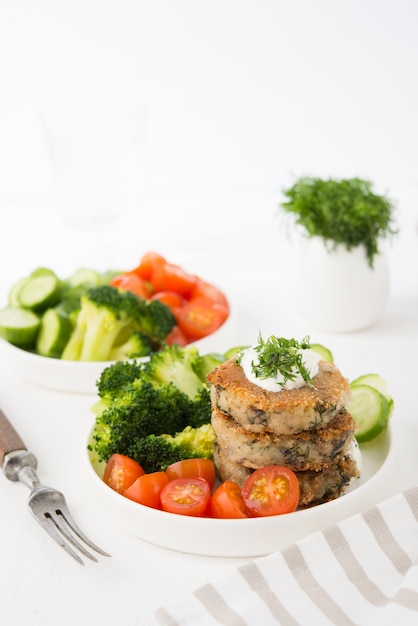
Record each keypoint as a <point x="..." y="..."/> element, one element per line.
<point x="175" y="125"/>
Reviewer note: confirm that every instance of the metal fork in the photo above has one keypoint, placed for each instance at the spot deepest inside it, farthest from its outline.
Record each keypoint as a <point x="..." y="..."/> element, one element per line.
<point x="47" y="505"/>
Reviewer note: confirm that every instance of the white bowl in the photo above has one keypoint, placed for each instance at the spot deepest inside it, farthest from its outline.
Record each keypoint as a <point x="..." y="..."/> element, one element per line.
<point x="241" y="537"/>
<point x="81" y="376"/>
<point x="55" y="374"/>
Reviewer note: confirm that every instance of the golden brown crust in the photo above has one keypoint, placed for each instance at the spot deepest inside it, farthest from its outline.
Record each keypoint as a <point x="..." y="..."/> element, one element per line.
<point x="315" y="449"/>
<point x="315" y="487"/>
<point x="283" y="412"/>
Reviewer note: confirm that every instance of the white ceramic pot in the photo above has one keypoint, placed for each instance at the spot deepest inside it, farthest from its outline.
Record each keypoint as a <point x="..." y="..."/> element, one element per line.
<point x="337" y="290"/>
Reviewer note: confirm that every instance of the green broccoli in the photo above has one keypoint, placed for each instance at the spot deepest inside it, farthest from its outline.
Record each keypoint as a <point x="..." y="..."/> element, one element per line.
<point x="106" y="319"/>
<point x="142" y="405"/>
<point x="117" y="376"/>
<point x="174" y="364"/>
<point x="143" y="409"/>
<point x="156" y="452"/>
<point x="182" y="366"/>
<point x="137" y="345"/>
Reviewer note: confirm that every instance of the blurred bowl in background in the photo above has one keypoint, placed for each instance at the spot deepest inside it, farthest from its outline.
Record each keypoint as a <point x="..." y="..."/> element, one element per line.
<point x="54" y="374"/>
<point x="81" y="376"/>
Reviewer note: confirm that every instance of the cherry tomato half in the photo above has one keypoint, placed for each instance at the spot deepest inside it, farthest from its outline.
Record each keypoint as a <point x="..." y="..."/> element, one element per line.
<point x="147" y="264"/>
<point x="227" y="502"/>
<point x="176" y="336"/>
<point x="193" y="468"/>
<point x="186" y="496"/>
<point x="171" y="299"/>
<point x="271" y="490"/>
<point x="170" y="277"/>
<point x="129" y="281"/>
<point x="121" y="471"/>
<point x="201" y="317"/>
<point x="202" y="289"/>
<point x="147" y="489"/>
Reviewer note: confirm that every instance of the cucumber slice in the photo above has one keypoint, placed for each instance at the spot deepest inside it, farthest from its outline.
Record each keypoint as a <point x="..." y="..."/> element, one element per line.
<point x="232" y="352"/>
<point x="207" y="363"/>
<point x="86" y="277"/>
<point x="42" y="271"/>
<point x="19" y="326"/>
<point x="39" y="292"/>
<point x="376" y="381"/>
<point x="325" y="353"/>
<point x="14" y="292"/>
<point x="54" y="333"/>
<point x="370" y="410"/>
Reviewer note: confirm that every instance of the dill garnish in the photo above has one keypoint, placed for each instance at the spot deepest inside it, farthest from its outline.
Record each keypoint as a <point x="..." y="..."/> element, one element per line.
<point x="280" y="355"/>
<point x="342" y="211"/>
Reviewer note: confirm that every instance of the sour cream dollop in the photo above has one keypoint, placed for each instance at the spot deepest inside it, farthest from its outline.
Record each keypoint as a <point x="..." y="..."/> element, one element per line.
<point x="310" y="359"/>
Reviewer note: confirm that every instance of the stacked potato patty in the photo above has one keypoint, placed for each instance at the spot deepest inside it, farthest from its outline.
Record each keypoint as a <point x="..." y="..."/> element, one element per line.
<point x="306" y="429"/>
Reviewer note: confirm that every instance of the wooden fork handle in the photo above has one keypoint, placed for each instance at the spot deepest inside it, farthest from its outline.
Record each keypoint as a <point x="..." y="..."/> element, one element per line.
<point x="9" y="439"/>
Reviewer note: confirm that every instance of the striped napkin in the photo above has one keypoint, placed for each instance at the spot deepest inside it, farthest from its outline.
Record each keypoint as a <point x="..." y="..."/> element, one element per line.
<point x="362" y="571"/>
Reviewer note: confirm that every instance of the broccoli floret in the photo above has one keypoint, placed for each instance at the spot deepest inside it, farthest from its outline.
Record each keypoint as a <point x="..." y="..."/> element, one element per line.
<point x="137" y="345"/>
<point x="106" y="319"/>
<point x="143" y="409"/>
<point x="200" y="408"/>
<point x="142" y="405"/>
<point x="174" y="364"/>
<point x="182" y="366"/>
<point x="115" y="378"/>
<point x="156" y="453"/>
<point x="155" y="320"/>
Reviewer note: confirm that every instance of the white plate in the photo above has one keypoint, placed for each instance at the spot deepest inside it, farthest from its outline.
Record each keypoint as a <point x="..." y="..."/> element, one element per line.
<point x="243" y="537"/>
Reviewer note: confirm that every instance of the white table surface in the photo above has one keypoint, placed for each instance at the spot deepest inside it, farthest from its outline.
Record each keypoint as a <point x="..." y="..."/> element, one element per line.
<point x="41" y="585"/>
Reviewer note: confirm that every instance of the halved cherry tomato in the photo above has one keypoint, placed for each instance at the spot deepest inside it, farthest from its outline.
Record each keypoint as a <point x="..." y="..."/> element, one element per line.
<point x="271" y="490"/>
<point x="147" y="489"/>
<point x="170" y="277"/>
<point x="176" y="336"/>
<point x="227" y="502"/>
<point x="132" y="282"/>
<point x="147" y="264"/>
<point x="202" y="289"/>
<point x="201" y="317"/>
<point x="186" y="496"/>
<point x="193" y="468"/>
<point x="121" y="471"/>
<point x="171" y="299"/>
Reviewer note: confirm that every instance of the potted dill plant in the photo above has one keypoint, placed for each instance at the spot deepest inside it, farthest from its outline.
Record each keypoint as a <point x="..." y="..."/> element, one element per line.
<point x="341" y="280"/>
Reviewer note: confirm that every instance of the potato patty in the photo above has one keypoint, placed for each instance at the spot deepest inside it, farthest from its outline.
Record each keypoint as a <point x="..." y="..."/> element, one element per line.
<point x="313" y="449"/>
<point x="284" y="412"/>
<point x="316" y="487"/>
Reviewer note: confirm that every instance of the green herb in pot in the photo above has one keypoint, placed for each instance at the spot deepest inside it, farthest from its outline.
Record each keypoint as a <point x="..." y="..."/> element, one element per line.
<point x="342" y="211"/>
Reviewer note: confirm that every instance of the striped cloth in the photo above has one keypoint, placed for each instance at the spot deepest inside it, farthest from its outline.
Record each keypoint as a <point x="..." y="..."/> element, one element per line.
<point x="362" y="571"/>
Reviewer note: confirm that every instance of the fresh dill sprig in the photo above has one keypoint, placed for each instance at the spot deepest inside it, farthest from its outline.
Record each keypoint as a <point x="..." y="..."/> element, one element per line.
<point x="280" y="355"/>
<point x="345" y="211"/>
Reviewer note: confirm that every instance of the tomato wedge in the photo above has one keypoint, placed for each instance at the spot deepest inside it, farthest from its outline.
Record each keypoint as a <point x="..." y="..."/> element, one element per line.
<point x="147" y="489"/>
<point x="193" y="468"/>
<point x="201" y="317"/>
<point x="121" y="471"/>
<point x="271" y="490"/>
<point x="227" y="502"/>
<point x="132" y="282"/>
<point x="186" y="496"/>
